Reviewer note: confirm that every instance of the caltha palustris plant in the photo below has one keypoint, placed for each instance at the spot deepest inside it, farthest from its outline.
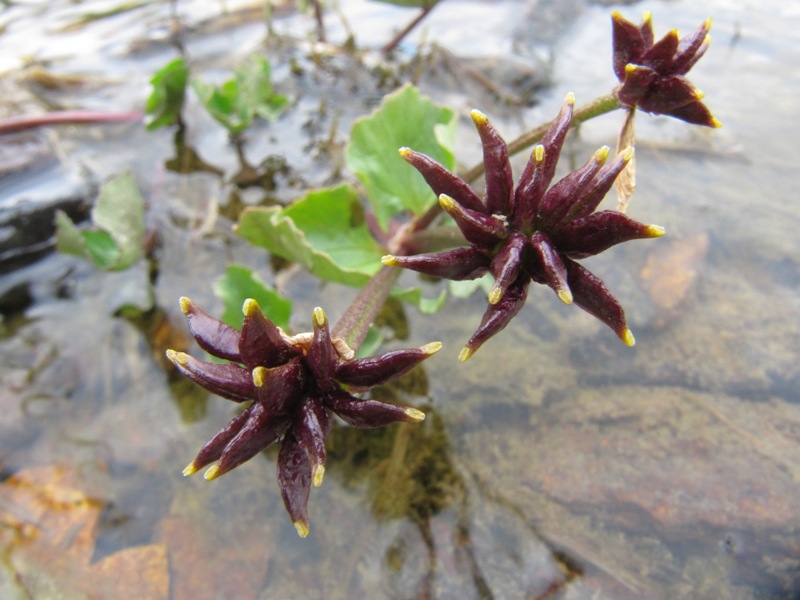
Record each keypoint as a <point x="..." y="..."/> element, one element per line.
<point x="295" y="384"/>
<point x="529" y="232"/>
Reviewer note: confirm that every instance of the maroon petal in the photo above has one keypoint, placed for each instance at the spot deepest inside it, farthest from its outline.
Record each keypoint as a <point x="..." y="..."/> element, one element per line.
<point x="530" y="190"/>
<point x="561" y="198"/>
<point x="691" y="48"/>
<point x="551" y="265"/>
<point x="647" y="29"/>
<point x="261" y="344"/>
<point x="368" y="414"/>
<point x="228" y="380"/>
<point x="636" y="83"/>
<point x="322" y="357"/>
<point x="696" y="113"/>
<point x="294" y="479"/>
<point x="593" y="194"/>
<point x="443" y="181"/>
<point x="212" y="450"/>
<point x="497" y="316"/>
<point x="457" y="264"/>
<point x="660" y="55"/>
<point x="260" y="431"/>
<point x="627" y="42"/>
<point x="553" y="139"/>
<point x="499" y="179"/>
<point x="478" y="229"/>
<point x="599" y="231"/>
<point x="280" y="388"/>
<point x="311" y="429"/>
<point x="364" y="373"/>
<point x="213" y="336"/>
<point x="505" y="266"/>
<point x="668" y="94"/>
<point x="592" y="296"/>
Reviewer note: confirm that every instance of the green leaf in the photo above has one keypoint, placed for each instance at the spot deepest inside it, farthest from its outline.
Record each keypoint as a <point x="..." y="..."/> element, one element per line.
<point x="404" y="118"/>
<point x="323" y="231"/>
<point x="240" y="283"/>
<point x="414" y="296"/>
<point x="465" y="289"/>
<point x="115" y="242"/>
<point x="165" y="103"/>
<point x="236" y="102"/>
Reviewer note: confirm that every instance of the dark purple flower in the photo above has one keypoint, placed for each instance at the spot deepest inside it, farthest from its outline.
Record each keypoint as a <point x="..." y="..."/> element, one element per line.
<point x="652" y="73"/>
<point x="530" y="233"/>
<point x="294" y="383"/>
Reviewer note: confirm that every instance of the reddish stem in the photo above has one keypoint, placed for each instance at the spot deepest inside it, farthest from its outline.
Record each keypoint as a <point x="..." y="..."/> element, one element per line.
<point x="64" y="117"/>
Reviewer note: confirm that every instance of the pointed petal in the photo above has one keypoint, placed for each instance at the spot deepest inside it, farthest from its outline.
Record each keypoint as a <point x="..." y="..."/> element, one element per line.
<point x="213" y="336"/>
<point x="311" y="429"/>
<point x="669" y="94"/>
<point x="505" y="266"/>
<point x="592" y="296"/>
<point x="696" y="113"/>
<point x="443" y="181"/>
<point x="593" y="194"/>
<point x="636" y="83"/>
<point x="561" y="198"/>
<point x="530" y="190"/>
<point x="499" y="179"/>
<point x="691" y="48"/>
<point x="647" y="29"/>
<point x="497" y="316"/>
<point x="478" y="229"/>
<point x="599" y="231"/>
<point x="281" y="388"/>
<point x="262" y="344"/>
<point x="627" y="42"/>
<point x="660" y="56"/>
<point x="368" y="414"/>
<point x="228" y="380"/>
<point x="553" y="140"/>
<point x="213" y="448"/>
<point x="294" y="479"/>
<point x="552" y="266"/>
<point x="457" y="264"/>
<point x="322" y="357"/>
<point x="261" y="430"/>
<point x="364" y="373"/>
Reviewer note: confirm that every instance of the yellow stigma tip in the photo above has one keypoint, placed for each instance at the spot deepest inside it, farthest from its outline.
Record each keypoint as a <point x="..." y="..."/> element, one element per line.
<point x="405" y="151"/>
<point x="431" y="348"/>
<point x="715" y="123"/>
<point x="479" y="118"/>
<point x="186" y="305"/>
<point x="565" y="296"/>
<point x="647" y="16"/>
<point x="302" y="528"/>
<point x="446" y="202"/>
<point x="320" y="318"/>
<point x="389" y="260"/>
<point x="627" y="154"/>
<point x="414" y="414"/>
<point x="495" y="295"/>
<point x="655" y="230"/>
<point x="250" y="307"/>
<point x="260" y="376"/>
<point x="190" y="469"/>
<point x="211" y="473"/>
<point x="538" y="153"/>
<point x="318" y="476"/>
<point x="708" y="23"/>
<point x="569" y="98"/>
<point x="627" y="337"/>
<point x="178" y="358"/>
<point x="602" y="154"/>
<point x="465" y="354"/>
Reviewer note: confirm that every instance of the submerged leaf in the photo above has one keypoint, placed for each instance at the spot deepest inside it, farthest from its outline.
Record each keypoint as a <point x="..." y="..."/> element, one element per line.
<point x="165" y="103"/>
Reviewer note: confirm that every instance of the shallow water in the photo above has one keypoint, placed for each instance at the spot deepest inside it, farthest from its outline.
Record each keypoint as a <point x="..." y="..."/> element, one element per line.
<point x="556" y="463"/>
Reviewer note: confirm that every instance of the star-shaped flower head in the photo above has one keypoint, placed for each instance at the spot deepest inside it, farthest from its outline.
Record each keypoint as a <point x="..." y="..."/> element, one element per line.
<point x="530" y="233"/>
<point x="294" y="384"/>
<point x="652" y="73"/>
